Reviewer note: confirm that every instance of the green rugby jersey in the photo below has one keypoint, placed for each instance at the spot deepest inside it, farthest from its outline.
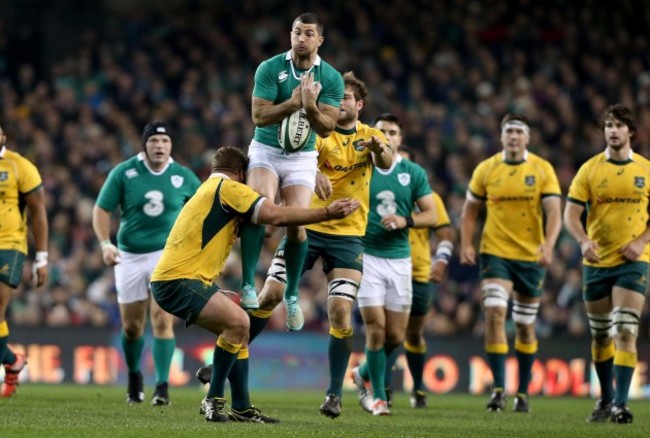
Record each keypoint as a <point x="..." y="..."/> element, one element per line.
<point x="149" y="201"/>
<point x="393" y="191"/>
<point x="275" y="80"/>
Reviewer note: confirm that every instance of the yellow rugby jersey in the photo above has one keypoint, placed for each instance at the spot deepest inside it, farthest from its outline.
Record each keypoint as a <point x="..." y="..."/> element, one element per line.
<point x="615" y="194"/>
<point x="513" y="193"/>
<point x="205" y="230"/>
<point x="419" y="240"/>
<point x="18" y="178"/>
<point x="349" y="168"/>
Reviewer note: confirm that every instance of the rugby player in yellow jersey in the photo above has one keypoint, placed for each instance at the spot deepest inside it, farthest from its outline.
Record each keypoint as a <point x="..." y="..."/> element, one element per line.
<point x="427" y="273"/>
<point x="196" y="251"/>
<point x="521" y="193"/>
<point x="20" y="186"/>
<point x="345" y="163"/>
<point x="614" y="187"/>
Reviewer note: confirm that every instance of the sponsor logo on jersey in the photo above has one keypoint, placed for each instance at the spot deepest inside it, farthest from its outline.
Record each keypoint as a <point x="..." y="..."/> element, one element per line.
<point x="618" y="200"/>
<point x="620" y="172"/>
<point x="529" y="180"/>
<point x="131" y="173"/>
<point x="404" y="178"/>
<point x="346" y="142"/>
<point x="4" y="176"/>
<point x="177" y="180"/>
<point x="283" y="76"/>
<point x="496" y="199"/>
<point x="639" y="181"/>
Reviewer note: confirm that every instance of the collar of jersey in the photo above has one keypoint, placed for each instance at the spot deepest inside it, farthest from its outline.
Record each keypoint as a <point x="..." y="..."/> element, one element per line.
<point x="390" y="169"/>
<point x="293" y="68"/>
<point x="142" y="158"/>
<point x="503" y="156"/>
<point x="346" y="131"/>
<point x="609" y="158"/>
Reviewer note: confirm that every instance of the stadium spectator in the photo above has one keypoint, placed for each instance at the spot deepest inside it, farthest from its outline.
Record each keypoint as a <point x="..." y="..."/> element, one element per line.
<point x="297" y="80"/>
<point x="517" y="244"/>
<point x="615" y="185"/>
<point x="21" y="189"/>
<point x="183" y="281"/>
<point x="150" y="190"/>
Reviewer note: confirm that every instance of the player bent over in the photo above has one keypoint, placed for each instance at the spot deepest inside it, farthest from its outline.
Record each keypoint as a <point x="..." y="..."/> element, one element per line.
<point x="194" y="255"/>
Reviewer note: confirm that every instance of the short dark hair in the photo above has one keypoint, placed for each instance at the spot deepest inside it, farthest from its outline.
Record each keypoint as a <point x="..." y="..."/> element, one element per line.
<point x="514" y="117"/>
<point x="359" y="87"/>
<point x="390" y="118"/>
<point x="309" y="18"/>
<point x="230" y="159"/>
<point x="620" y="112"/>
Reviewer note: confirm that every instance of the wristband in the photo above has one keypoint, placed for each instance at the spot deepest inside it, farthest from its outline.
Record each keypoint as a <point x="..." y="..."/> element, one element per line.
<point x="105" y="243"/>
<point x="40" y="260"/>
<point x="410" y="223"/>
<point x="443" y="251"/>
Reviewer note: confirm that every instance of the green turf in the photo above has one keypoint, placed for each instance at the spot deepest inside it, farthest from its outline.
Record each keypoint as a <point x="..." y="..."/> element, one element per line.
<point x="96" y="411"/>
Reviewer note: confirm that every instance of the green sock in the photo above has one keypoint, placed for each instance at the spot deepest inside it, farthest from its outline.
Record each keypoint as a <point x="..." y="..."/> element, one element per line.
<point x="338" y="352"/>
<point x="294" y="257"/>
<point x="416" y="367"/>
<point x="364" y="370"/>
<point x="258" y="323"/>
<point x="392" y="353"/>
<point x="525" y="369"/>
<point x="132" y="352"/>
<point x="252" y="240"/>
<point x="497" y="363"/>
<point x="605" y="373"/>
<point x="623" y="376"/>
<point x="238" y="379"/>
<point x="222" y="363"/>
<point x="163" y="352"/>
<point x="376" y="360"/>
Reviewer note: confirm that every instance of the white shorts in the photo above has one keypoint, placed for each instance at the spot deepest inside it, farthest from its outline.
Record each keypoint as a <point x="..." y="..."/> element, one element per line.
<point x="386" y="283"/>
<point x="296" y="168"/>
<point x="133" y="274"/>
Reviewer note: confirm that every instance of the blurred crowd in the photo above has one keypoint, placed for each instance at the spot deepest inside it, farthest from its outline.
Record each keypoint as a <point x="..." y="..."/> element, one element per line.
<point x="449" y="69"/>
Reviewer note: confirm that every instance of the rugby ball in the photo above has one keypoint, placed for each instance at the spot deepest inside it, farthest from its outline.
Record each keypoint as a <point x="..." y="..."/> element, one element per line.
<point x="294" y="131"/>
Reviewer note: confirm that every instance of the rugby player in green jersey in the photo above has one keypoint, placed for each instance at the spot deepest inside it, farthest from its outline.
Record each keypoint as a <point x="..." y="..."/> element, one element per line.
<point x="149" y="189"/>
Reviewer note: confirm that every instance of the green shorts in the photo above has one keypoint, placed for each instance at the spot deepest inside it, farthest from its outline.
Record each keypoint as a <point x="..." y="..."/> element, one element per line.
<point x="527" y="277"/>
<point x="183" y="298"/>
<point x="422" y="297"/>
<point x="597" y="283"/>
<point x="344" y="252"/>
<point x="11" y="267"/>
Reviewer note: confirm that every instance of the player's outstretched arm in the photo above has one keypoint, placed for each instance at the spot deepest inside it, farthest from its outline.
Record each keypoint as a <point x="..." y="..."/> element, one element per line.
<point x="281" y="215"/>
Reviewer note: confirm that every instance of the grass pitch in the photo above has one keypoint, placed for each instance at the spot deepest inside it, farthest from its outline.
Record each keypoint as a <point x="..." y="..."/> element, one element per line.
<point x="99" y="411"/>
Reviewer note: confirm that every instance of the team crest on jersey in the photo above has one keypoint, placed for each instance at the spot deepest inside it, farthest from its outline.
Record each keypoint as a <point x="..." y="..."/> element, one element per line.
<point x="404" y="179"/>
<point x="4" y="176"/>
<point x="283" y="76"/>
<point x="177" y="180"/>
<point x="358" y="147"/>
<point x="529" y="180"/>
<point x="639" y="181"/>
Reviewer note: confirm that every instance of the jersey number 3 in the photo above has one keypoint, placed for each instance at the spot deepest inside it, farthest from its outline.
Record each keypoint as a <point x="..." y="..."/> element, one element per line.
<point x="155" y="206"/>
